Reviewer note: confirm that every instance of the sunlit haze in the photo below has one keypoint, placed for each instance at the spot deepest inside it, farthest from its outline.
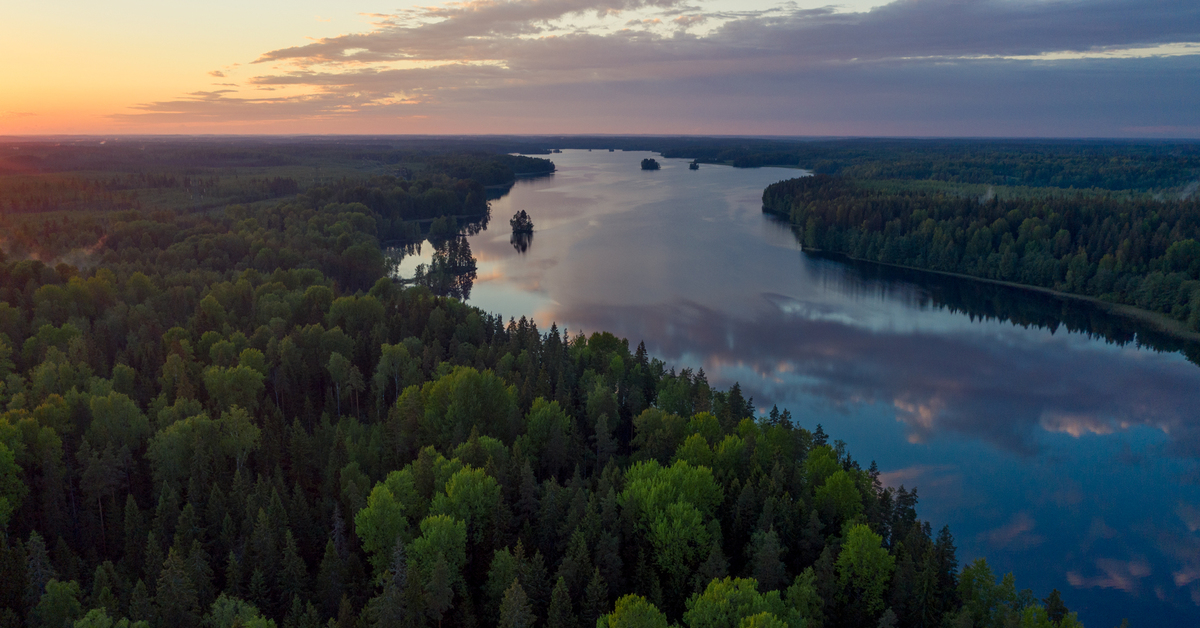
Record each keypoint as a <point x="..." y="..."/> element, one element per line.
<point x="1072" y="68"/>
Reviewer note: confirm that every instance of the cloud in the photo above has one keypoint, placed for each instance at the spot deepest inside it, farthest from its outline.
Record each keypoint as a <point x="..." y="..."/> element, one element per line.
<point x="926" y="475"/>
<point x="1117" y="574"/>
<point x="1014" y="535"/>
<point x="496" y="58"/>
<point x="217" y="74"/>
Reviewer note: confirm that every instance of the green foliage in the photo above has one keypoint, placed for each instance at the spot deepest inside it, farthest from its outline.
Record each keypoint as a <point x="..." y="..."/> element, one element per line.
<point x="465" y="399"/>
<point x="230" y="612"/>
<point x="838" y="499"/>
<point x="633" y="611"/>
<point x="238" y="386"/>
<point x="515" y="611"/>
<point x="59" y="605"/>
<point x="12" y="488"/>
<point x="864" y="569"/>
<point x="732" y="602"/>
<point x="471" y="496"/>
<point x="442" y="545"/>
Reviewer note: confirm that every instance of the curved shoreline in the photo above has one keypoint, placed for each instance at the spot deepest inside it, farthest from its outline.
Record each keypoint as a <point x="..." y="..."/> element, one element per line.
<point x="1160" y="322"/>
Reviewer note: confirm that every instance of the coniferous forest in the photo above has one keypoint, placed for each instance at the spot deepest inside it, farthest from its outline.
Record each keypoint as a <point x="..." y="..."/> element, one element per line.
<point x="1140" y="250"/>
<point x="233" y="416"/>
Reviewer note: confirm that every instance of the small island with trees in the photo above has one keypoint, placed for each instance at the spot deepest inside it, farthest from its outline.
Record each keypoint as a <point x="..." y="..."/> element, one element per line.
<point x="650" y="164"/>
<point x="521" y="223"/>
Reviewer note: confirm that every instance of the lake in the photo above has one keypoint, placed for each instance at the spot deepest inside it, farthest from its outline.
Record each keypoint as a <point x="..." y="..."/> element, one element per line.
<point x="1056" y="440"/>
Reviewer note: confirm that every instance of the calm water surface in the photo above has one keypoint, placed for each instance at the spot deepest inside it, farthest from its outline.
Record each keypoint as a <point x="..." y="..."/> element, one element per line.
<point x="1062" y="456"/>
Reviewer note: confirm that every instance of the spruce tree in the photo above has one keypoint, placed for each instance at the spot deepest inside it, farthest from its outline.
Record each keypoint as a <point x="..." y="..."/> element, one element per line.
<point x="233" y="575"/>
<point x="561" y="614"/>
<point x="514" y="610"/>
<point x="293" y="574"/>
<point x="135" y="536"/>
<point x="331" y="577"/>
<point x="1056" y="610"/>
<point x="154" y="558"/>
<point x="766" y="564"/>
<point x="38" y="569"/>
<point x="201" y="574"/>
<point x="389" y="609"/>
<point x="175" y="596"/>
<point x="140" y="606"/>
<point x="595" y="600"/>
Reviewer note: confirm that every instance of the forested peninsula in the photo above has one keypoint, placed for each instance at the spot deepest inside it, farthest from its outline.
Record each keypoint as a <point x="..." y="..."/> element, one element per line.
<point x="233" y="416"/>
<point x="1135" y="250"/>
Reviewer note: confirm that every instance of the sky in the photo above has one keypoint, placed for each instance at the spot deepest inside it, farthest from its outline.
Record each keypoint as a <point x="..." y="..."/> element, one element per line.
<point x="956" y="68"/>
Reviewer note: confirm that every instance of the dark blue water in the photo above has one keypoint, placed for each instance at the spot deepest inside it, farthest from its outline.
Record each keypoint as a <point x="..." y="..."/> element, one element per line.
<point x="1060" y="454"/>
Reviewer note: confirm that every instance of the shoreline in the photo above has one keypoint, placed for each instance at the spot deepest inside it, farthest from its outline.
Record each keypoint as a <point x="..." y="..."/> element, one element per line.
<point x="1160" y="322"/>
<point x="517" y="176"/>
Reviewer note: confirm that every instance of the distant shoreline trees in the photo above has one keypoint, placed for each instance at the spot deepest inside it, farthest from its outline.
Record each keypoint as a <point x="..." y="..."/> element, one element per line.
<point x="1141" y="252"/>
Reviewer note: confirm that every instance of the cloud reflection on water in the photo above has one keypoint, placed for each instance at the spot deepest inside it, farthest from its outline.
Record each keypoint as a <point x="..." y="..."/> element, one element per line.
<point x="1002" y="392"/>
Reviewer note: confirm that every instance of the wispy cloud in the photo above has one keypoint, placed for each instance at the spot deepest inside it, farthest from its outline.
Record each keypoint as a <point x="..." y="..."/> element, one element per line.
<point x="1125" y="575"/>
<point x="1017" y="534"/>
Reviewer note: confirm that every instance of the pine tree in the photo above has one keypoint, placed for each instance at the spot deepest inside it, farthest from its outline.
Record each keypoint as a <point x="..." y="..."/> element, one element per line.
<point x="154" y="558"/>
<point x="715" y="567"/>
<point x="514" y="610"/>
<point x="233" y="575"/>
<point x="1056" y="610"/>
<point x="38" y="569"/>
<point x="595" y="600"/>
<point x="201" y="574"/>
<point x="262" y="549"/>
<point x="187" y="529"/>
<point x="331" y="577"/>
<point x="561" y="614"/>
<point x="175" y="596"/>
<point x="140" y="606"/>
<point x="389" y="609"/>
<point x="766" y="564"/>
<point x="293" y="574"/>
<point x="259" y="591"/>
<point x="576" y="566"/>
<point x="166" y="514"/>
<point x="135" y="536"/>
<point x="105" y="582"/>
<point x="438" y="591"/>
<point x="13" y="581"/>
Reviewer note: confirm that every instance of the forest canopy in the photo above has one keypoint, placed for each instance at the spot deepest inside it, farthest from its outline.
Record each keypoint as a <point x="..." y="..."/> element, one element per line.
<point x="234" y="416"/>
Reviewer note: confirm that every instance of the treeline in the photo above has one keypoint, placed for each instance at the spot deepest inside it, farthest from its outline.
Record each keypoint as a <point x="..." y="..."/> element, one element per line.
<point x="347" y="219"/>
<point x="1065" y="164"/>
<point x="54" y="192"/>
<point x="489" y="169"/>
<point x="401" y="206"/>
<point x="239" y="420"/>
<point x="1137" y="251"/>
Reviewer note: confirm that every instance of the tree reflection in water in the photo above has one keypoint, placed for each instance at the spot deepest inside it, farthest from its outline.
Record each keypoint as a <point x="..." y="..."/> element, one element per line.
<point x="521" y="241"/>
<point x="451" y="272"/>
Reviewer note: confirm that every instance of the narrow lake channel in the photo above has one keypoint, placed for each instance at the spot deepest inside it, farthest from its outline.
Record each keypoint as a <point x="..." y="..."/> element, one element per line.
<point x="1057" y="441"/>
